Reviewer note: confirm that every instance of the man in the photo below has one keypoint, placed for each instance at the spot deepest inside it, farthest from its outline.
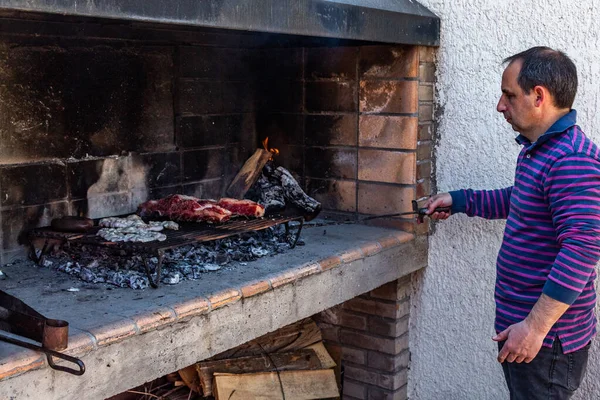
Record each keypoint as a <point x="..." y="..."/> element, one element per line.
<point x="545" y="273"/>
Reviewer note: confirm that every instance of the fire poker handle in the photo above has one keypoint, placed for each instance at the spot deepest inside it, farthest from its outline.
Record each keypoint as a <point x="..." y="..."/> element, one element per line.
<point x="423" y="211"/>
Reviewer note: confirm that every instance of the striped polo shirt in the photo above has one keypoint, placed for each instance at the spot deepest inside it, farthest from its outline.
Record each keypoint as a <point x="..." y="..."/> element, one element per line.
<point x="552" y="236"/>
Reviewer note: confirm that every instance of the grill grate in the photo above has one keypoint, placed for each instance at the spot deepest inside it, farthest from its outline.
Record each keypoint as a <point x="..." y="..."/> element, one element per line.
<point x="188" y="233"/>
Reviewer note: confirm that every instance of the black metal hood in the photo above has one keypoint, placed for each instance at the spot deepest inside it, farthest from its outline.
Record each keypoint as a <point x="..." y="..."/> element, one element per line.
<point x="388" y="21"/>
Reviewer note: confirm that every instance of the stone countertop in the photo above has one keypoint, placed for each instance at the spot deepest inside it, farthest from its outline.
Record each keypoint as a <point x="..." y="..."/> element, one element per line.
<point x="100" y="315"/>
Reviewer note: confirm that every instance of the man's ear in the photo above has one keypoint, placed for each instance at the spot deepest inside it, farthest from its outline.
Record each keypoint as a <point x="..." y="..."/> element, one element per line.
<point x="541" y="95"/>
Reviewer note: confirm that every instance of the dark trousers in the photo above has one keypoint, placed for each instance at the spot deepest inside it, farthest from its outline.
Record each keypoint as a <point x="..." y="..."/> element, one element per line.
<point x="552" y="375"/>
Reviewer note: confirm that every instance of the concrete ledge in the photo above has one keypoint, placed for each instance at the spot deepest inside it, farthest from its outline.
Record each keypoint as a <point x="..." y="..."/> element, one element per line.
<point x="126" y="346"/>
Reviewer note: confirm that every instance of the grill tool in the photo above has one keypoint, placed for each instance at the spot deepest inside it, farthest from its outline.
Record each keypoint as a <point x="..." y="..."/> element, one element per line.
<point x="18" y="318"/>
<point x="421" y="212"/>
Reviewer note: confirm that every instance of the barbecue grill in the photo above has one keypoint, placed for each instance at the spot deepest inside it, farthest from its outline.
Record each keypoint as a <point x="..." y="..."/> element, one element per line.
<point x="188" y="233"/>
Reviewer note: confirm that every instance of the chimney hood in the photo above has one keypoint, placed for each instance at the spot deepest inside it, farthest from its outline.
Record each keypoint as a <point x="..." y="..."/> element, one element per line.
<point x="387" y="21"/>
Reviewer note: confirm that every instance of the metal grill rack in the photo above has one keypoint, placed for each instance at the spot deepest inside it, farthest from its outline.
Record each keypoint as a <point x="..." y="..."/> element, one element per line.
<point x="188" y="233"/>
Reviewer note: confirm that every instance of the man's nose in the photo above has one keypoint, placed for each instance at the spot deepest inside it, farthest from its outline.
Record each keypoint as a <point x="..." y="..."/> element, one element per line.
<point x="500" y="107"/>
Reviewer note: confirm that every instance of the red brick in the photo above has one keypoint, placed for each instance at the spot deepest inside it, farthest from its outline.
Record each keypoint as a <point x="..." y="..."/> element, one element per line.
<point x="224" y="298"/>
<point x="424" y="188"/>
<point x="426" y="54"/>
<point x="376" y="307"/>
<point x="387" y="166"/>
<point x="192" y="307"/>
<point x="388" y="242"/>
<point x="352" y="255"/>
<point x="331" y="130"/>
<point x="426" y="92"/>
<point x="404" y="237"/>
<point x="80" y="343"/>
<point x="369" y="249"/>
<point x="255" y="288"/>
<point x="424" y="169"/>
<point x="20" y="360"/>
<point x="153" y="319"/>
<point x="424" y="150"/>
<point x="294" y="275"/>
<point x="425" y="112"/>
<point x="388" y="132"/>
<point x="423" y="229"/>
<point x="388" y="363"/>
<point x="376" y="378"/>
<point x="382" y="394"/>
<point x="427" y="72"/>
<point x="337" y="316"/>
<point x="376" y="198"/>
<point x="354" y="389"/>
<point x="390" y="328"/>
<point x="330" y="262"/>
<point x="331" y="62"/>
<point x="395" y="290"/>
<point x="113" y="332"/>
<point x="353" y="355"/>
<point x="389" y="96"/>
<point x="371" y="342"/>
<point x="330" y="332"/>
<point x="334" y="195"/>
<point x="389" y="62"/>
<point x="425" y="132"/>
<point x="331" y="96"/>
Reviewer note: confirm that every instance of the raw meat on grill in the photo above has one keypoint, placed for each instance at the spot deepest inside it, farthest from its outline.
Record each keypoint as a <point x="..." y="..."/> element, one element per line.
<point x="246" y="208"/>
<point x="184" y="208"/>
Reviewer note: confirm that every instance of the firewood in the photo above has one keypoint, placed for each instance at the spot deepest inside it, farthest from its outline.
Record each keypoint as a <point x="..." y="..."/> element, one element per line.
<point x="248" y="174"/>
<point x="325" y="359"/>
<point x="296" y="385"/>
<point x="292" y="337"/>
<point x="191" y="378"/>
<point x="305" y="359"/>
<point x="295" y="195"/>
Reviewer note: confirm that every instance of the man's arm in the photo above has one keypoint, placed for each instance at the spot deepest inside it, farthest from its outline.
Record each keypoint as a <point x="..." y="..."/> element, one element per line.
<point x="524" y="340"/>
<point x="489" y="204"/>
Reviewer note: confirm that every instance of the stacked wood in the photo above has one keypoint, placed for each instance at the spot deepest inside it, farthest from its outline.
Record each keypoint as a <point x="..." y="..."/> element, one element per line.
<point x="291" y="363"/>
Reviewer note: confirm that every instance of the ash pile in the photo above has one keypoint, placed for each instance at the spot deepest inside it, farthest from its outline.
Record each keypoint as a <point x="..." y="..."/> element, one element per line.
<point x="99" y="265"/>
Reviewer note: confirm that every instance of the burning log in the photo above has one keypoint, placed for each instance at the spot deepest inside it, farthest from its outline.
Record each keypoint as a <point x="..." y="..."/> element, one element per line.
<point x="276" y="188"/>
<point x="248" y="175"/>
<point x="294" y="193"/>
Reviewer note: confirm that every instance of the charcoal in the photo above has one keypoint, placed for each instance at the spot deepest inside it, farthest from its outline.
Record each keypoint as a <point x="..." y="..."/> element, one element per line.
<point x="98" y="265"/>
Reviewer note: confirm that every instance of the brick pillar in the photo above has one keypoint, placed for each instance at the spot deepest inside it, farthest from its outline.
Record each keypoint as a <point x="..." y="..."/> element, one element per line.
<point x="368" y="336"/>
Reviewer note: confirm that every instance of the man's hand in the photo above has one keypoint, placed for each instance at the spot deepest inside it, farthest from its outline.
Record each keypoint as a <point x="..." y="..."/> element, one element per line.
<point x="438" y="200"/>
<point x="523" y="343"/>
<point x="524" y="340"/>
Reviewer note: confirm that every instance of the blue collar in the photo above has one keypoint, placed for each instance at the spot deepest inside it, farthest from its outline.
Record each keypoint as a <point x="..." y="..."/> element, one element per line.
<point x="561" y="125"/>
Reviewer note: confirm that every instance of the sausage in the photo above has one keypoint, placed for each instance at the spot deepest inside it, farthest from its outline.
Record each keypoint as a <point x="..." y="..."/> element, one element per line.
<point x="72" y="224"/>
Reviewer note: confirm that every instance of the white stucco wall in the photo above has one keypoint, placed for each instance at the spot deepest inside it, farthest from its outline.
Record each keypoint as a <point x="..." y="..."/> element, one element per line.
<point x="453" y="356"/>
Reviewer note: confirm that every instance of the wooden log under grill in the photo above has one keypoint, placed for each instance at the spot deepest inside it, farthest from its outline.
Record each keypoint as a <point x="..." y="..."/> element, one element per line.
<point x="248" y="174"/>
<point x="288" y="385"/>
<point x="296" y="347"/>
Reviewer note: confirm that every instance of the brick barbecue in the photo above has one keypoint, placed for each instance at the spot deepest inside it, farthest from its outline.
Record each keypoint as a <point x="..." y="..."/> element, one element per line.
<point x="98" y="115"/>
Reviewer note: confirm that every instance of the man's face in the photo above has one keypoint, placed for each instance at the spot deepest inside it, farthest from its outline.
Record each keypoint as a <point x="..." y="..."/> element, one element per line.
<point x="517" y="107"/>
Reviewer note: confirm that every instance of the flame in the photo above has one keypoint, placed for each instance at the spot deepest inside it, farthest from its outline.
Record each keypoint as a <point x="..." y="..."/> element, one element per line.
<point x="274" y="152"/>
